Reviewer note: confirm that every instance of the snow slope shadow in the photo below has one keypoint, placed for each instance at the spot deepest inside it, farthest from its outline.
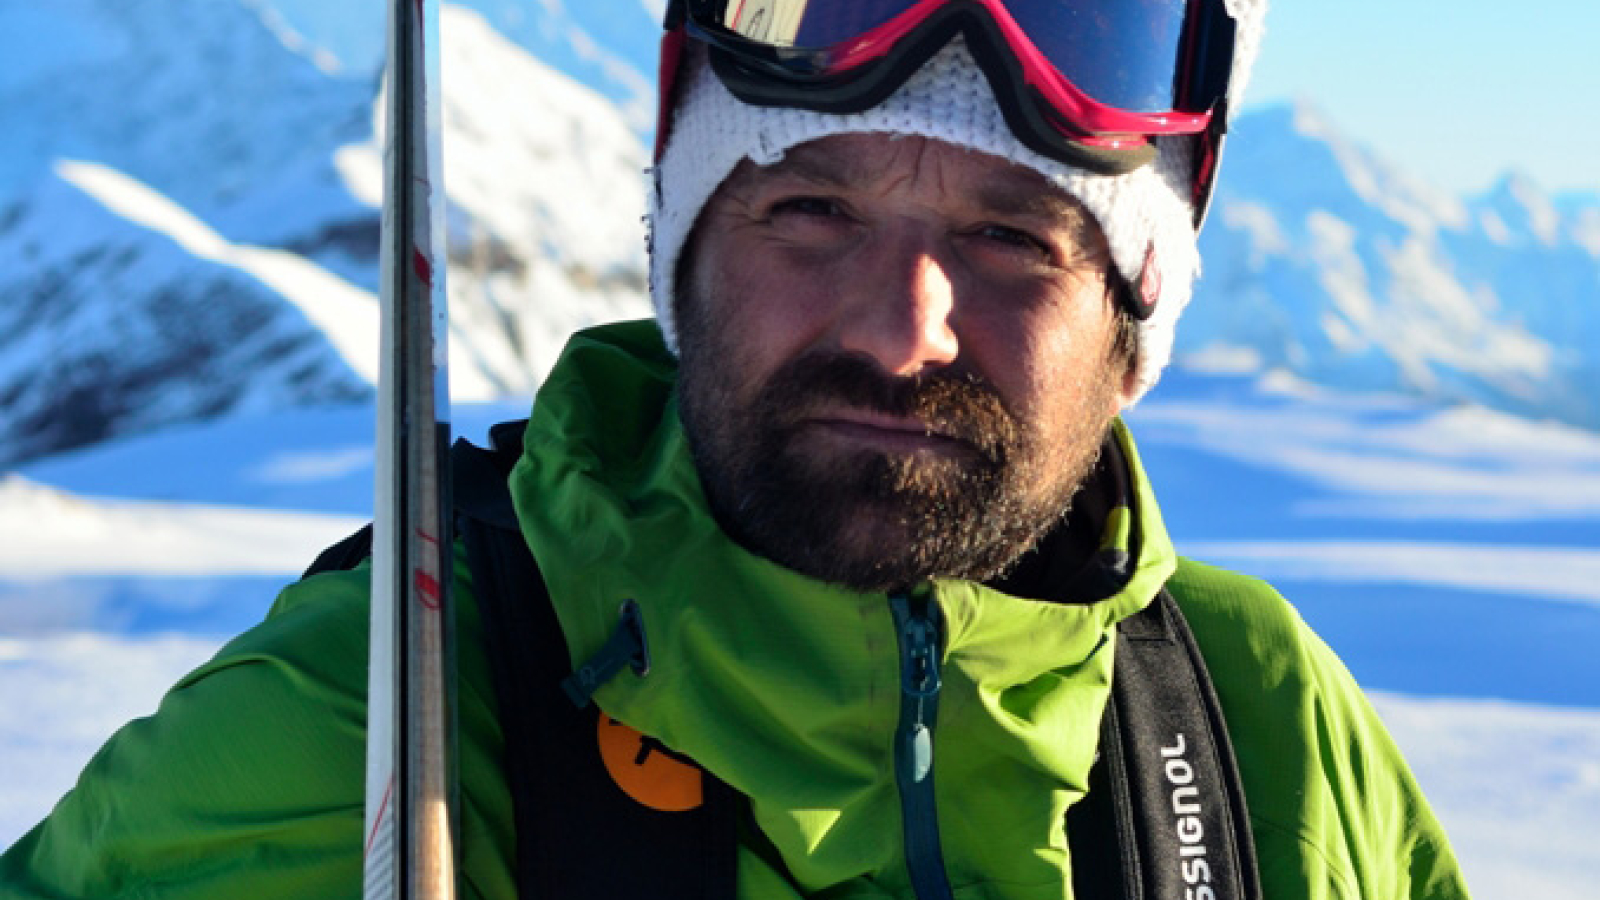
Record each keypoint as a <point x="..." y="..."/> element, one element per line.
<point x="1441" y="552"/>
<point x="1435" y="641"/>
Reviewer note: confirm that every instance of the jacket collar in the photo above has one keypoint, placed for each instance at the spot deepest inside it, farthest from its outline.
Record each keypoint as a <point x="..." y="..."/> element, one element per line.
<point x="607" y="483"/>
<point x="788" y="688"/>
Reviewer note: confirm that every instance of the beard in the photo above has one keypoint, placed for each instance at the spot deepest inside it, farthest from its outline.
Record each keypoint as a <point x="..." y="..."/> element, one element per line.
<point x="864" y="518"/>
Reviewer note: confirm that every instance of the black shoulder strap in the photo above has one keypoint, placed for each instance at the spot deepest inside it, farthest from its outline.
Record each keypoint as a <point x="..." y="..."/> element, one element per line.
<point x="347" y="554"/>
<point x="579" y="834"/>
<point x="1165" y="816"/>
<point x="478" y="483"/>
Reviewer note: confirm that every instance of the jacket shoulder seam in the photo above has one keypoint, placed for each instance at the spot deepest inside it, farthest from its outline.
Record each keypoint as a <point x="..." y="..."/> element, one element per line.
<point x="1336" y="874"/>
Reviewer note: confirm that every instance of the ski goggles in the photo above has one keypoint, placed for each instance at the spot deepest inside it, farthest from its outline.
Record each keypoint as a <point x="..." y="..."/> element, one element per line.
<point x="1088" y="82"/>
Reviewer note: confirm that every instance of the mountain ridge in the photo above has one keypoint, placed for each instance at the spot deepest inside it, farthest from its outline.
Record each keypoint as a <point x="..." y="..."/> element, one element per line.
<point x="1321" y="258"/>
<point x="1324" y="260"/>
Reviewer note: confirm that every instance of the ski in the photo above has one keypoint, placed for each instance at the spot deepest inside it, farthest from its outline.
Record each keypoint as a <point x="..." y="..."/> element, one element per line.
<point x="409" y="851"/>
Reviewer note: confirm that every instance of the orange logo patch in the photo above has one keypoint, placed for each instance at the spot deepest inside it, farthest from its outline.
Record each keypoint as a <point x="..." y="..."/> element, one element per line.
<point x="647" y="771"/>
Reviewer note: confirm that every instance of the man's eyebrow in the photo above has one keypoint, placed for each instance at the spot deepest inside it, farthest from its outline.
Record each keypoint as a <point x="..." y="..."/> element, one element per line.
<point x="1029" y="197"/>
<point x="829" y="169"/>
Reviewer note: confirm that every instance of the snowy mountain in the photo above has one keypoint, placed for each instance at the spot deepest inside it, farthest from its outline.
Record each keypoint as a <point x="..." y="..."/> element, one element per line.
<point x="203" y="240"/>
<point x="1323" y="260"/>
<point x="195" y="99"/>
<point x="110" y="325"/>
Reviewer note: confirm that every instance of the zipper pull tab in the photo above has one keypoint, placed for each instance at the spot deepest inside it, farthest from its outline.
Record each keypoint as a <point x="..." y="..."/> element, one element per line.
<point x="919" y="626"/>
<point x="919" y="682"/>
<point x="625" y="647"/>
<point x="919" y="752"/>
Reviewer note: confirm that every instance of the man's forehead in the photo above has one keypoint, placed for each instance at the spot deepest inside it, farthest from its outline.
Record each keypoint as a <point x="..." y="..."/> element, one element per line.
<point x="857" y="160"/>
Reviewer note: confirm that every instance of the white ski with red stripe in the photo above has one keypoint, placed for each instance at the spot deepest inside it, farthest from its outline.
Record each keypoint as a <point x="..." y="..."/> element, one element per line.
<point x="409" y="852"/>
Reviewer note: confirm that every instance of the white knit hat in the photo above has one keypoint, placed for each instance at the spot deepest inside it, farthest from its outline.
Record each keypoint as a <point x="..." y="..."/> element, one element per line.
<point x="1145" y="214"/>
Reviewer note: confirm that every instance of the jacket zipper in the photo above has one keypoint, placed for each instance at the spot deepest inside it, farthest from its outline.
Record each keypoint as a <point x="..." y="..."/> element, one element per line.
<point x="920" y="631"/>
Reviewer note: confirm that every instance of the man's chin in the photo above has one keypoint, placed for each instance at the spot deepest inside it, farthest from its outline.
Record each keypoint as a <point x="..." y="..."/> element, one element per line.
<point x="871" y="537"/>
<point x="870" y="543"/>
<point x="893" y="486"/>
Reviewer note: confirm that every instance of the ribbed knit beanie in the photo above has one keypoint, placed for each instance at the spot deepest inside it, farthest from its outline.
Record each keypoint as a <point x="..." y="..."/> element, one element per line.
<point x="1145" y="214"/>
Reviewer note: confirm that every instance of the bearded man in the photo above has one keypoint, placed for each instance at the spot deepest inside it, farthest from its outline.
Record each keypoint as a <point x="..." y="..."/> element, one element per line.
<point x="877" y="533"/>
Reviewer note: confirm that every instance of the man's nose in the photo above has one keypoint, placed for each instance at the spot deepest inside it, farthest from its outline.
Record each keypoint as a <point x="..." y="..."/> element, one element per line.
<point x="901" y="309"/>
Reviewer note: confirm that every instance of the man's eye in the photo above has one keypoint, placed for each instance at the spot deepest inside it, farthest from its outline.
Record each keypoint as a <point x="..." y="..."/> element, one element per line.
<point x="1012" y="237"/>
<point x="806" y="206"/>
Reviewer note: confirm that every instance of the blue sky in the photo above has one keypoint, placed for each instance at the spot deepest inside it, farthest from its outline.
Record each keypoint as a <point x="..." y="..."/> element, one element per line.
<point x="1455" y="93"/>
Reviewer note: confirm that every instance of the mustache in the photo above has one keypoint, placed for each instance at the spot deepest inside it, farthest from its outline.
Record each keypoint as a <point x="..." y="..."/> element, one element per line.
<point x="955" y="404"/>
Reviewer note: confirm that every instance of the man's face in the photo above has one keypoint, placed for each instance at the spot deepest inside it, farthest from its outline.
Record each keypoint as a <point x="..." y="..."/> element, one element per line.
<point x="897" y="358"/>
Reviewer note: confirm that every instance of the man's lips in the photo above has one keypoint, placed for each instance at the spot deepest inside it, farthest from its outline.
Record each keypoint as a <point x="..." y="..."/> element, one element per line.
<point x="883" y="430"/>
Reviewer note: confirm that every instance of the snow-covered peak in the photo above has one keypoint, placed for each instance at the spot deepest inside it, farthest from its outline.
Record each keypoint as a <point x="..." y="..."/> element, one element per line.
<point x="542" y="162"/>
<point x="122" y="313"/>
<point x="206" y="243"/>
<point x="1585" y="228"/>
<point x="533" y="160"/>
<point x="1299" y="142"/>
<point x="347" y="316"/>
<point x="205" y="113"/>
<point x="546" y="183"/>
<point x="1325" y="260"/>
<point x="1522" y="209"/>
<point x="236" y="285"/>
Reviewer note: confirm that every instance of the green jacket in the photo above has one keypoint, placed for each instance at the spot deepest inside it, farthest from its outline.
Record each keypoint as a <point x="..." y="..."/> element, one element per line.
<point x="247" y="782"/>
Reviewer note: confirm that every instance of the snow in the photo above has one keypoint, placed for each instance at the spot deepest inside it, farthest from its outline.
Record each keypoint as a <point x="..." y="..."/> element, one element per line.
<point x="1221" y="359"/>
<point x="1258" y="225"/>
<point x="1324" y="260"/>
<point x="310" y="460"/>
<point x="128" y="220"/>
<point x="546" y="207"/>
<point x="1516" y="785"/>
<point x="1530" y="572"/>
<point x="1328" y="261"/>
<point x="578" y="210"/>
<point x="315" y="466"/>
<point x="64" y="691"/>
<point x="1535" y="207"/>
<point x="1402" y="198"/>
<point x="52" y="534"/>
<point x="347" y="315"/>
<point x="607" y="45"/>
<point x="1451" y="555"/>
<point x="1586" y="229"/>
<point x="1418" y="462"/>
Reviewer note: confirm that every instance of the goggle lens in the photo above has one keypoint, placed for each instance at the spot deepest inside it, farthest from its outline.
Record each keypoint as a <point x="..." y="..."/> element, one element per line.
<point x="1124" y="54"/>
